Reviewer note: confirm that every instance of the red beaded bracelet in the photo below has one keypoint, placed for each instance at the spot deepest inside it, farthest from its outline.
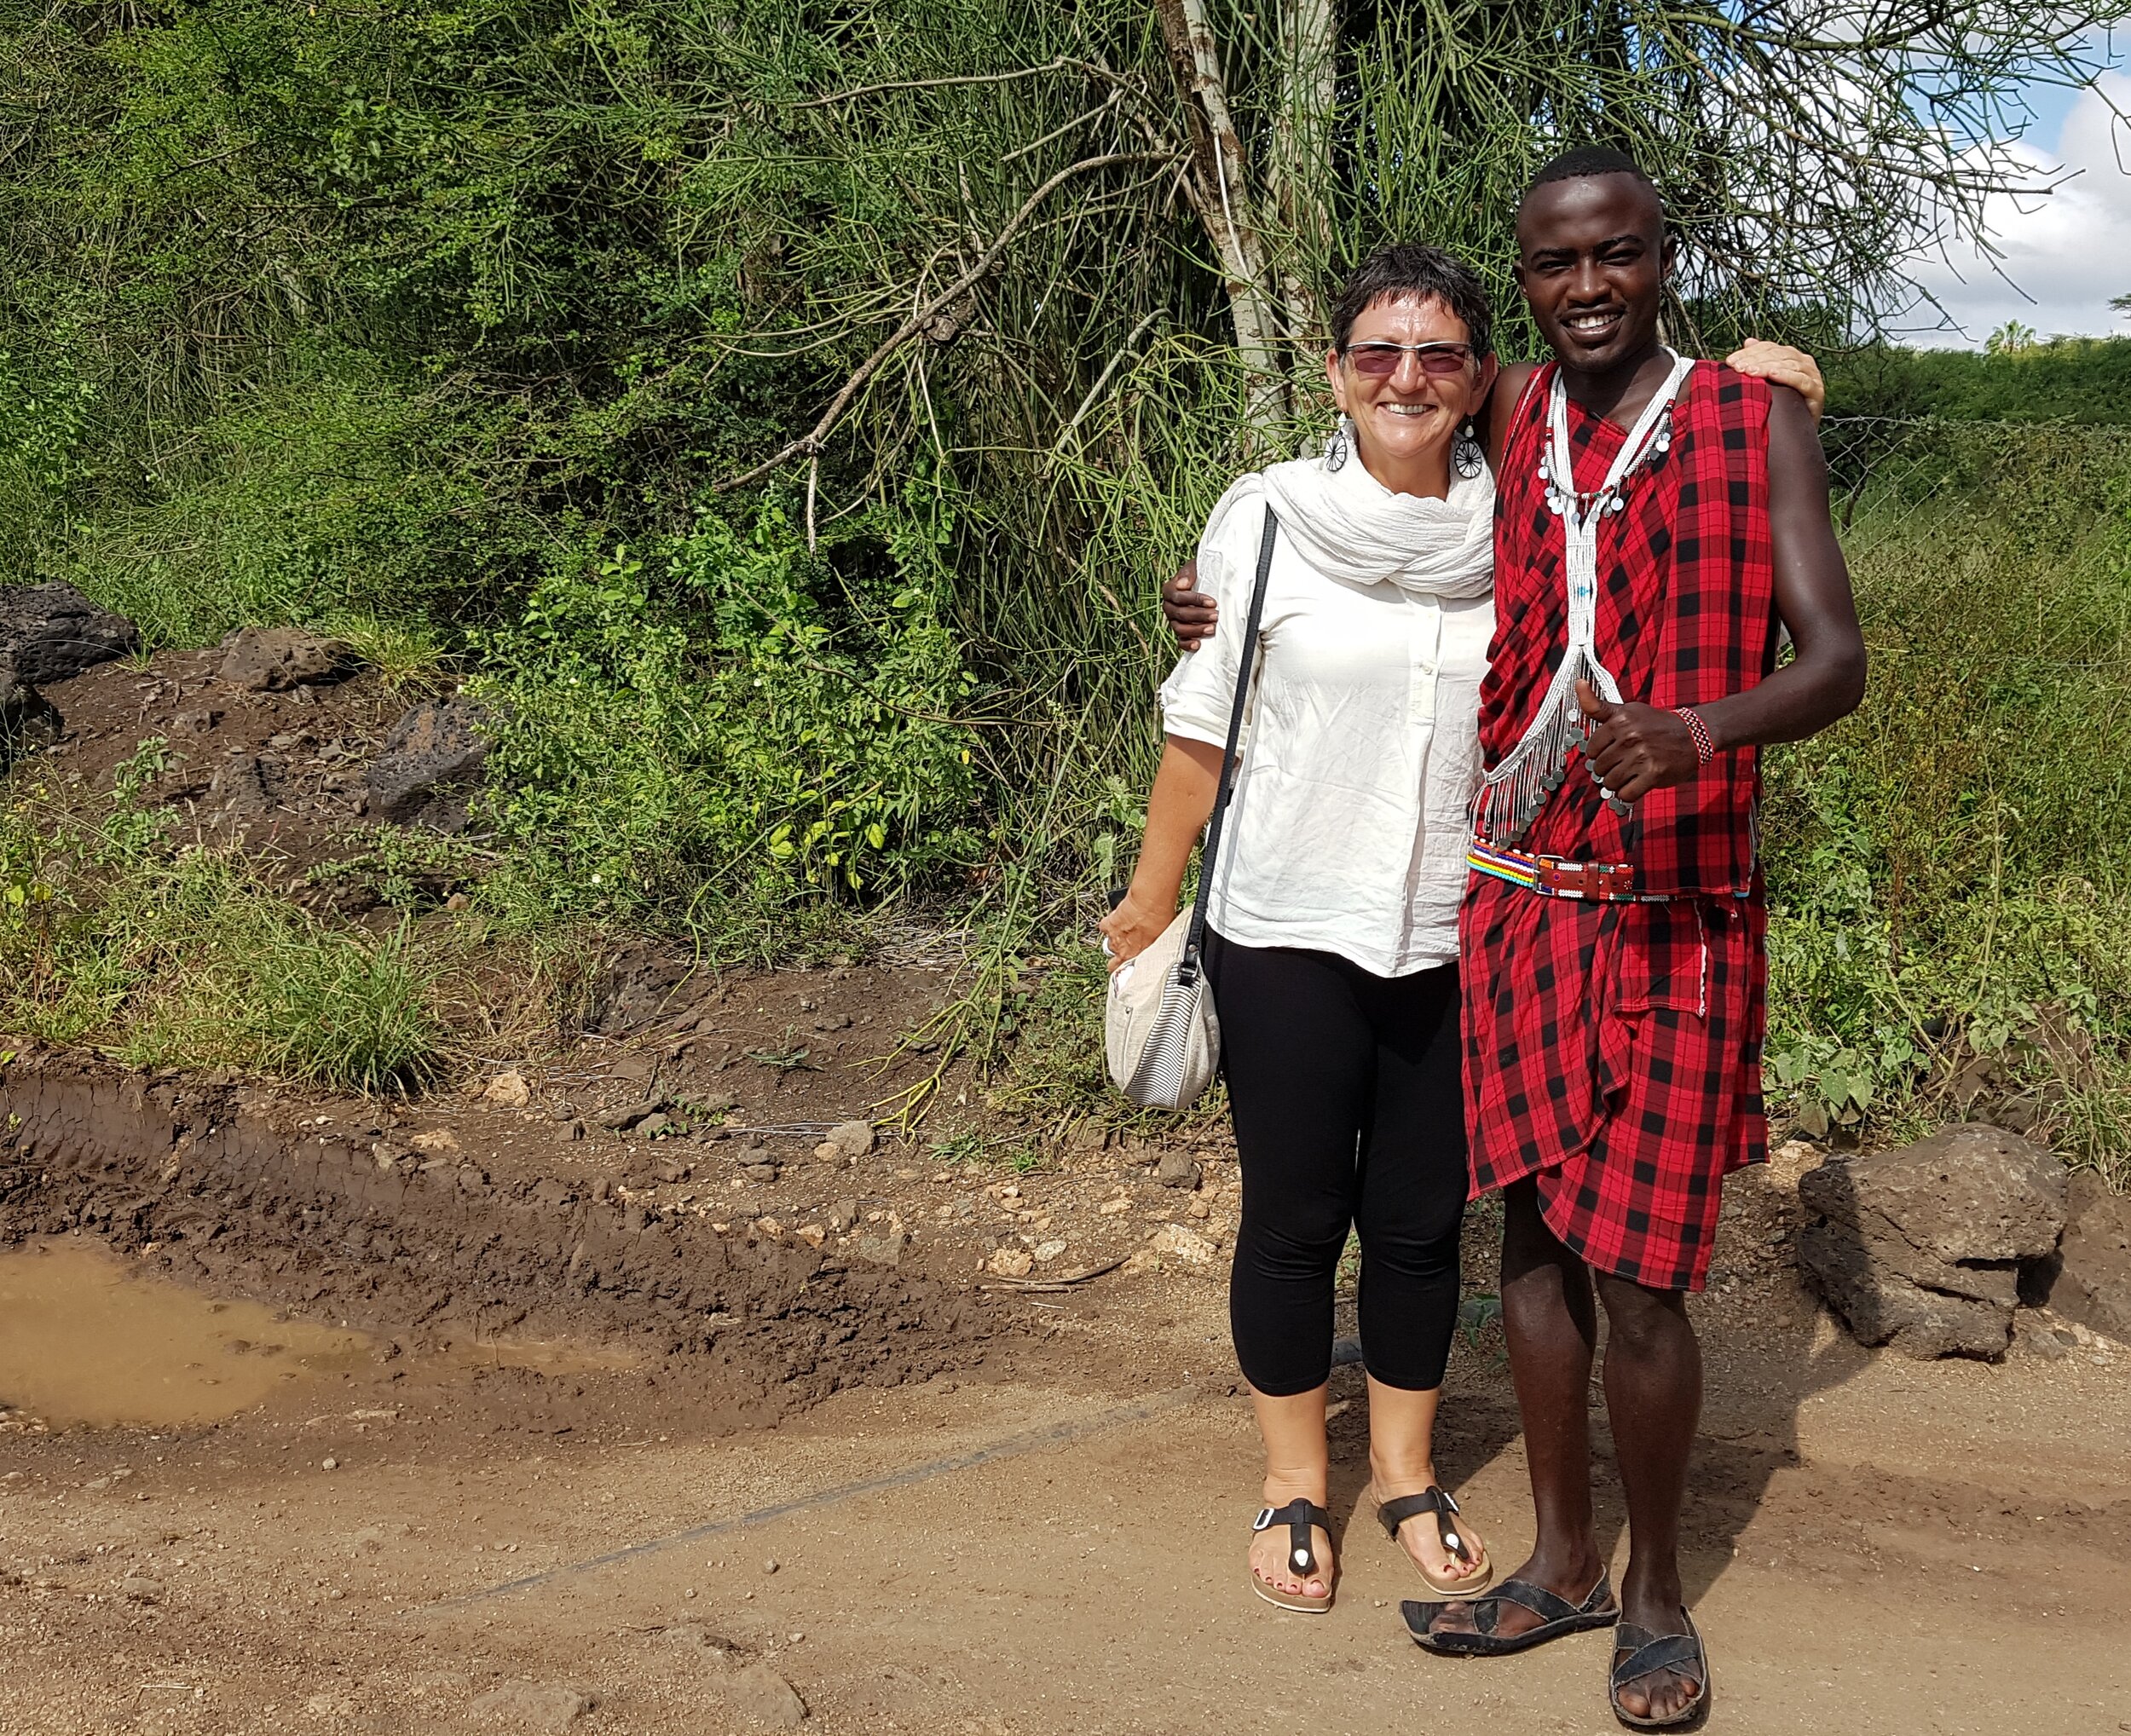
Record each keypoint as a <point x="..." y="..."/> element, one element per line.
<point x="1705" y="749"/>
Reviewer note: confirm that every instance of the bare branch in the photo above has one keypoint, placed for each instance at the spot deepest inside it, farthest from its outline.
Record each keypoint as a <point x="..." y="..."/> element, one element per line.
<point x="808" y="444"/>
<point x="1058" y="64"/>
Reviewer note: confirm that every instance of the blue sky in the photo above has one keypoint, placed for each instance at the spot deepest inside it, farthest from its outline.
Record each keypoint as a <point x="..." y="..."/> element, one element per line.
<point x="2065" y="256"/>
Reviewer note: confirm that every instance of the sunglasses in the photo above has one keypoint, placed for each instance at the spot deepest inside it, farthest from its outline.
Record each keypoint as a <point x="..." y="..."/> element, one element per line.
<point x="1379" y="362"/>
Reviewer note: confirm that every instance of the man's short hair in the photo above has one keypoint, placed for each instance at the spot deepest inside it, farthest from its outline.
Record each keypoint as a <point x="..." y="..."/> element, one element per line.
<point x="1584" y="162"/>
<point x="1412" y="270"/>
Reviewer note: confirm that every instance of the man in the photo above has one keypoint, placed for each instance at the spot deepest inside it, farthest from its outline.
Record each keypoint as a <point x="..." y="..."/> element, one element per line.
<point x="1655" y="523"/>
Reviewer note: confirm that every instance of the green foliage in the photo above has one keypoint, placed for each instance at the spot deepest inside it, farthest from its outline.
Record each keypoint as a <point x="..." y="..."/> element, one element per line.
<point x="269" y="991"/>
<point x="2065" y="379"/>
<point x="410" y="868"/>
<point x="721" y="716"/>
<point x="1948" y="868"/>
<point x="183" y="958"/>
<point x="337" y="500"/>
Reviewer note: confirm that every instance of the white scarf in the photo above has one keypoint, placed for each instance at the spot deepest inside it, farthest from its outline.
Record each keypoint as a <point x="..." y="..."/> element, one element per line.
<point x="1348" y="526"/>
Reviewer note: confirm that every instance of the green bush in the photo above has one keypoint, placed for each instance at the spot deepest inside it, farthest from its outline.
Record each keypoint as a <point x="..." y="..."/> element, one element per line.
<point x="722" y="722"/>
<point x="338" y="498"/>
<point x="1948" y="868"/>
<point x="2067" y="379"/>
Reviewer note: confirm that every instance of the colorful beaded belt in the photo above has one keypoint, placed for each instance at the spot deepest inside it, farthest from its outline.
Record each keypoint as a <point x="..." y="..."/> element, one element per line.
<point x="1552" y="877"/>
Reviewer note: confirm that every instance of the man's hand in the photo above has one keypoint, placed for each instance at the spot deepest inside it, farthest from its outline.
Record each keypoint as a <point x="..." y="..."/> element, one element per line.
<point x="1781" y="365"/>
<point x="1635" y="748"/>
<point x="1191" y="612"/>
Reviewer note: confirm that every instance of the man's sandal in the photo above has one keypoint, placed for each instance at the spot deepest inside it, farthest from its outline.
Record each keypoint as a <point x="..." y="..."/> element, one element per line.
<point x="1558" y="1617"/>
<point x="1391" y="1514"/>
<point x="1298" y="1515"/>
<point x="1638" y="1652"/>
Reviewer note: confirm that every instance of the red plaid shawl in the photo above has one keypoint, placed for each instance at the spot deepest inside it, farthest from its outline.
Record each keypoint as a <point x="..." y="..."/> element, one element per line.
<point x="1613" y="1051"/>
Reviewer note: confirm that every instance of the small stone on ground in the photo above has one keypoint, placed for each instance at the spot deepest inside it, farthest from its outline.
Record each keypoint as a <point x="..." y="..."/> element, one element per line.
<point x="533" y="1705"/>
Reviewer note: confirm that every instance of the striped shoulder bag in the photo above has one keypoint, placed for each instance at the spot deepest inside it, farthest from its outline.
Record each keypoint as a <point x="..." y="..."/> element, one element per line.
<point x="1160" y="1035"/>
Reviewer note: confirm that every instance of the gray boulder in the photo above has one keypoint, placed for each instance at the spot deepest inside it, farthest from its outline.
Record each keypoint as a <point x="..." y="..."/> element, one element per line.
<point x="429" y="768"/>
<point x="764" y="1698"/>
<point x="274" y="660"/>
<point x="52" y="632"/>
<point x="533" y="1707"/>
<point x="1881" y="1307"/>
<point x="1924" y="1248"/>
<point x="2093" y="1285"/>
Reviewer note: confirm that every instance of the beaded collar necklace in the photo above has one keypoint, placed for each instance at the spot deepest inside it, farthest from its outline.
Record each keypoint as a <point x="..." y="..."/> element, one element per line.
<point x="1512" y="794"/>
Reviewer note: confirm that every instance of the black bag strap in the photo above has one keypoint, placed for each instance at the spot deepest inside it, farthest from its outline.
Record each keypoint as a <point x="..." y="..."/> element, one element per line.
<point x="1195" y="936"/>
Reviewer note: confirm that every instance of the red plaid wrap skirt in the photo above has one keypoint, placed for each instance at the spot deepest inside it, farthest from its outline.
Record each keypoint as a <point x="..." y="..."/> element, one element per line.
<point x="1614" y="1053"/>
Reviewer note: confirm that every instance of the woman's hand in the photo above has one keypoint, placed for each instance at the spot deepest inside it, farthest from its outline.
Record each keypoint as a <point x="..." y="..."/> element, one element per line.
<point x="1781" y="365"/>
<point x="1132" y="928"/>
<point x="1176" y="812"/>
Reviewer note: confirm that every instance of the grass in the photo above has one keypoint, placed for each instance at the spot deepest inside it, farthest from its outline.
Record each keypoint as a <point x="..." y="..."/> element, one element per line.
<point x="268" y="990"/>
<point x="184" y="958"/>
<point x="1949" y="870"/>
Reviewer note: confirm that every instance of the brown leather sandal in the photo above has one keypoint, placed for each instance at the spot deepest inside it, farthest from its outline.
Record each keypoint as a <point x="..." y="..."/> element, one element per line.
<point x="1298" y="1515"/>
<point x="1391" y="1514"/>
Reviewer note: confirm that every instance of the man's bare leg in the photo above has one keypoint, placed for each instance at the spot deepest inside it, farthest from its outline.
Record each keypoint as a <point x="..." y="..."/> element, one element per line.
<point x="1551" y="1323"/>
<point x="1653" y="1398"/>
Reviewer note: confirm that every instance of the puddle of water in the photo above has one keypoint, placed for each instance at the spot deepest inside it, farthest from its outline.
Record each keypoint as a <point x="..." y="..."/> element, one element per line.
<point x="85" y="1338"/>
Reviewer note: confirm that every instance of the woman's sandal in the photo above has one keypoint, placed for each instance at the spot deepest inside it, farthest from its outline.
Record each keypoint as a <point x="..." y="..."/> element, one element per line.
<point x="1298" y="1515"/>
<point x="1558" y="1616"/>
<point x="1682" y="1654"/>
<point x="1391" y="1514"/>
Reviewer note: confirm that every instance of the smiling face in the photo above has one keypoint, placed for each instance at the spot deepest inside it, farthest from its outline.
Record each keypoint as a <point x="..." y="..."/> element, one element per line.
<point x="1405" y="420"/>
<point x="1592" y="258"/>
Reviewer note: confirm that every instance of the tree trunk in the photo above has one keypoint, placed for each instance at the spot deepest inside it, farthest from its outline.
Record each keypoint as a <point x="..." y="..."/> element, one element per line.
<point x="1300" y="171"/>
<point x="1218" y="183"/>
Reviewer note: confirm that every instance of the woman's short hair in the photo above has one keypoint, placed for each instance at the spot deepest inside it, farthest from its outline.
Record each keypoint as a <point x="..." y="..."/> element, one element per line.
<point x="1412" y="270"/>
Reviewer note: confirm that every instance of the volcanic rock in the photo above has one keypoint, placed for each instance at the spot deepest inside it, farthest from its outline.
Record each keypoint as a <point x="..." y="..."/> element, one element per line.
<point x="429" y="768"/>
<point x="245" y="788"/>
<point x="274" y="660"/>
<point x="1923" y="1248"/>
<point x="25" y="715"/>
<point x="2094" y="1285"/>
<point x="52" y="632"/>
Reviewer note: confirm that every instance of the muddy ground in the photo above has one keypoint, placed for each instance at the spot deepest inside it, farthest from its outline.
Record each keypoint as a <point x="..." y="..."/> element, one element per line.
<point x="488" y="1489"/>
<point x="608" y="1393"/>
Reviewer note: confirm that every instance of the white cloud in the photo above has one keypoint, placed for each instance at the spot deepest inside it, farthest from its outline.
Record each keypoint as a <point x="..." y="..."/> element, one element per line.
<point x="2070" y="252"/>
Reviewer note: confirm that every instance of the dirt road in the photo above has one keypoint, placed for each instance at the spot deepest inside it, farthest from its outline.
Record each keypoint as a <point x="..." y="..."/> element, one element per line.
<point x="1052" y="1544"/>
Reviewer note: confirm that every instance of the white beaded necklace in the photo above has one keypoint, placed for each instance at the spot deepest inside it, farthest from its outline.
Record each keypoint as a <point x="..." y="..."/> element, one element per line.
<point x="1512" y="794"/>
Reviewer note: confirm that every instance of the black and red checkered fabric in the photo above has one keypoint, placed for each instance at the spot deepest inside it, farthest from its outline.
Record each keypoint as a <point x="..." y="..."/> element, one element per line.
<point x="1612" y="1051"/>
<point x="1686" y="614"/>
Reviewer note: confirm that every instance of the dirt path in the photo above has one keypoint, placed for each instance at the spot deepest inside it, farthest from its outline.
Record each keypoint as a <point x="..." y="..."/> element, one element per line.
<point x="1053" y="1544"/>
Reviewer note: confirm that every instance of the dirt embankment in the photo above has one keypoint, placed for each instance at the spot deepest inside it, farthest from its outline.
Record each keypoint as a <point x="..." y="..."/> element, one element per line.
<point x="197" y="1179"/>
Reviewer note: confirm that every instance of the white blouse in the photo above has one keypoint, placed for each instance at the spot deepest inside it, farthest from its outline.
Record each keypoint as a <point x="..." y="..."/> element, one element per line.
<point x="1348" y="829"/>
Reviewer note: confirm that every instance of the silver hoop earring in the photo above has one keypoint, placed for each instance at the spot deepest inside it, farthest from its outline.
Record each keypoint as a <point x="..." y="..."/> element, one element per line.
<point x="1340" y="447"/>
<point x="1466" y="456"/>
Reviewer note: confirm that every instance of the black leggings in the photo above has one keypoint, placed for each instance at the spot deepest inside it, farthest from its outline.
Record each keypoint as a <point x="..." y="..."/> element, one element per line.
<point x="1350" y="1109"/>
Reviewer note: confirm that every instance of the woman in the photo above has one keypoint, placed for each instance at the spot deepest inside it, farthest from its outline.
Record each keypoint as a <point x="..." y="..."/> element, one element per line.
<point x="1332" y="918"/>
